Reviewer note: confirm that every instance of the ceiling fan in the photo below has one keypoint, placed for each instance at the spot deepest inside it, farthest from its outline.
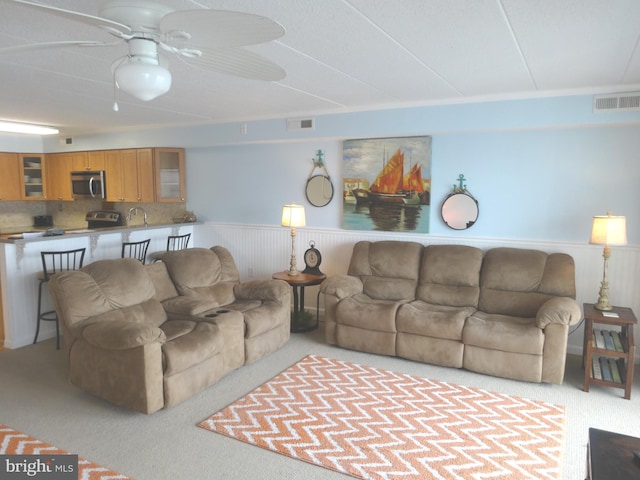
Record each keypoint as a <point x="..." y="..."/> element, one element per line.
<point x="204" y="38"/>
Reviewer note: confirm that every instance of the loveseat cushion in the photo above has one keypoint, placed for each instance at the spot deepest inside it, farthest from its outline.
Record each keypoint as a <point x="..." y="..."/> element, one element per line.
<point x="203" y="273"/>
<point x="164" y="287"/>
<point x="388" y="269"/>
<point x="450" y="275"/>
<point x="188" y="305"/>
<point x="518" y="282"/>
<point x="121" y="335"/>
<point x="123" y="282"/>
<point x="103" y="287"/>
<point x="189" y="343"/>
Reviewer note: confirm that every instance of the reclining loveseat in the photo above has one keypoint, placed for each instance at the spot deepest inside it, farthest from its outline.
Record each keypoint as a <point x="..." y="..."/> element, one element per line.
<point x="149" y="337"/>
<point x="504" y="312"/>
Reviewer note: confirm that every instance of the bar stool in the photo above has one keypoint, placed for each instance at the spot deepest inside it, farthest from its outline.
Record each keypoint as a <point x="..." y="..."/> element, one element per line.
<point x="55" y="262"/>
<point x="174" y="242"/>
<point x="178" y="242"/>
<point x="136" y="250"/>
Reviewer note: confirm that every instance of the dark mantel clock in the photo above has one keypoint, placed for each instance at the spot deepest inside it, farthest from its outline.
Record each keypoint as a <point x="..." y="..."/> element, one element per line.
<point x="312" y="259"/>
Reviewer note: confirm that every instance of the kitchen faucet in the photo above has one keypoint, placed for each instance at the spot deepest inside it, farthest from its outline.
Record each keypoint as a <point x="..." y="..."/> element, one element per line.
<point x="134" y="211"/>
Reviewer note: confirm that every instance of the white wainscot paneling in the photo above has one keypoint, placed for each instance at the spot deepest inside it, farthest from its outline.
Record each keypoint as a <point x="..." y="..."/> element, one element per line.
<point x="260" y="250"/>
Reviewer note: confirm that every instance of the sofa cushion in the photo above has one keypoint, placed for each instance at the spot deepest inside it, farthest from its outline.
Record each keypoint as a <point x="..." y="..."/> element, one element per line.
<point x="518" y="282"/>
<point x="369" y="313"/>
<point x="503" y="333"/>
<point x="388" y="269"/>
<point x="437" y="321"/>
<point x="450" y="275"/>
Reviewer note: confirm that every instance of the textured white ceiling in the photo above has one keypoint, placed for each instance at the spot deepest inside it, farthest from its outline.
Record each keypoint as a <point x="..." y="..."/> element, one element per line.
<point x="339" y="55"/>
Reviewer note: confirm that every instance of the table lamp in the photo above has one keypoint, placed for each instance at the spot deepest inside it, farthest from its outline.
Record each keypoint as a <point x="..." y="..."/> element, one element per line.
<point x="293" y="216"/>
<point x="607" y="230"/>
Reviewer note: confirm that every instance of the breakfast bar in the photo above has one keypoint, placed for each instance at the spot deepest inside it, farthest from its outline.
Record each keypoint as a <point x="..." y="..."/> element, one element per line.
<point x="20" y="264"/>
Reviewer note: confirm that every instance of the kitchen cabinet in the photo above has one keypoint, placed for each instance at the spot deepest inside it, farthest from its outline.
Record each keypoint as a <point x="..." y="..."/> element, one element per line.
<point x="32" y="176"/>
<point x="58" y="175"/>
<point x="169" y="168"/>
<point x="10" y="178"/>
<point x="92" y="161"/>
<point x="129" y="175"/>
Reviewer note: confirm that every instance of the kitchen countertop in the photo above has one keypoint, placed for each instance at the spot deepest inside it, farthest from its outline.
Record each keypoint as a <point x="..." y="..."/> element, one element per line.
<point x="14" y="234"/>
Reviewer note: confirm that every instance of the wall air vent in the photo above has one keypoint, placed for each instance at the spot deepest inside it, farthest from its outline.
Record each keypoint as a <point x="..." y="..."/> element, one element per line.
<point x="621" y="101"/>
<point x="294" y="124"/>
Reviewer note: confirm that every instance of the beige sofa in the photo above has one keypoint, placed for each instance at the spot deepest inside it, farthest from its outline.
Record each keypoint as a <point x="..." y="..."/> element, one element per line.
<point x="505" y="312"/>
<point x="149" y="337"/>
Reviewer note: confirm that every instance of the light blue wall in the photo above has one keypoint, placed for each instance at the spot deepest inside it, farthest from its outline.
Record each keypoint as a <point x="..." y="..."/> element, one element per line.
<point x="540" y="168"/>
<point x="536" y="184"/>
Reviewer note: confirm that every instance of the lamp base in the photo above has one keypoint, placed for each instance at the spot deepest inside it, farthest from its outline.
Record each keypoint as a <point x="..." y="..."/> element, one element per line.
<point x="602" y="306"/>
<point x="293" y="273"/>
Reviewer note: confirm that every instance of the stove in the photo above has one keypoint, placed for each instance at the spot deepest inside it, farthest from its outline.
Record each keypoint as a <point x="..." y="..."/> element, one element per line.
<point x="104" y="219"/>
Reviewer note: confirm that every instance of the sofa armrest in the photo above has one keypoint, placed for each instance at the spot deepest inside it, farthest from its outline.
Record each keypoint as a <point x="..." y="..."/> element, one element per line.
<point x="342" y="286"/>
<point x="558" y="310"/>
<point x="117" y="335"/>
<point x="266" y="290"/>
<point x="182" y="305"/>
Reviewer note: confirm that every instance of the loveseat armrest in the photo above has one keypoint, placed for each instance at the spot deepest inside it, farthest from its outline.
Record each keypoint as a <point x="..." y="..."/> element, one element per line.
<point x="118" y="335"/>
<point x="277" y="291"/>
<point x="183" y="305"/>
<point x="558" y="310"/>
<point x="342" y="286"/>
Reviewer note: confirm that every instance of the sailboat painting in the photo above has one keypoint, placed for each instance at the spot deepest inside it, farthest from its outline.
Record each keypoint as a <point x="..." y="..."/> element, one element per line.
<point x="387" y="184"/>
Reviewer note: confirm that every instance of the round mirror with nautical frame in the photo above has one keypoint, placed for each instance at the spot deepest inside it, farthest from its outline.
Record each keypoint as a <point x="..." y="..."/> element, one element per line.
<point x="319" y="189"/>
<point x="460" y="209"/>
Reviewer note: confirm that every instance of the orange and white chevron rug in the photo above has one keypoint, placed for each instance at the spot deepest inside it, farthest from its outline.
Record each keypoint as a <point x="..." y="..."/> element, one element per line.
<point x="376" y="424"/>
<point x="13" y="442"/>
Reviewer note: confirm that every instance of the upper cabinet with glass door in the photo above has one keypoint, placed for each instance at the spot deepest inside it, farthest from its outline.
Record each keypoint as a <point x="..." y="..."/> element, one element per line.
<point x="169" y="166"/>
<point x="33" y="176"/>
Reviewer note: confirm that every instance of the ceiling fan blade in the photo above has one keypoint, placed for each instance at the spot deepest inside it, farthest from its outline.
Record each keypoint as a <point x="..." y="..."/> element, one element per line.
<point x="237" y="62"/>
<point x="220" y="28"/>
<point x="76" y="16"/>
<point x="61" y="44"/>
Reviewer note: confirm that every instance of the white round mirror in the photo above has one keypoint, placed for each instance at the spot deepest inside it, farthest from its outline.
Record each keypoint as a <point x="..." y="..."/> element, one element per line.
<point x="460" y="211"/>
<point x="319" y="190"/>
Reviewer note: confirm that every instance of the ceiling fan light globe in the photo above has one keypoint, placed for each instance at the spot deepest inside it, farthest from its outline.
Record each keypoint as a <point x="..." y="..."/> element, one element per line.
<point x="142" y="80"/>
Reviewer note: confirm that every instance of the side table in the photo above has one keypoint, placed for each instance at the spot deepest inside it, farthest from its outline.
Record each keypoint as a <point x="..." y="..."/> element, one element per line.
<point x="299" y="282"/>
<point x="622" y="357"/>
<point x="610" y="456"/>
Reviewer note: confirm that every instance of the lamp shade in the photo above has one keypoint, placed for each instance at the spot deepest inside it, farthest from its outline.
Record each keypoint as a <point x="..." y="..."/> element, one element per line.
<point x="609" y="230"/>
<point x="293" y="216"/>
<point x="143" y="79"/>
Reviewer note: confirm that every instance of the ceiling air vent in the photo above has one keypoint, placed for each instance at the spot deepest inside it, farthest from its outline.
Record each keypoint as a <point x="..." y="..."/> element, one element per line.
<point x="294" y="124"/>
<point x="621" y="101"/>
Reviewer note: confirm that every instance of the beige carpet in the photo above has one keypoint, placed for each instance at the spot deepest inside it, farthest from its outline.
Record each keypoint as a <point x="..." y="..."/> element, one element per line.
<point x="13" y="442"/>
<point x="372" y="423"/>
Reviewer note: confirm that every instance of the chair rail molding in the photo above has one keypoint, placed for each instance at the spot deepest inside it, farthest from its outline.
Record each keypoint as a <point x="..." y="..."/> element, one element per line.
<point x="260" y="250"/>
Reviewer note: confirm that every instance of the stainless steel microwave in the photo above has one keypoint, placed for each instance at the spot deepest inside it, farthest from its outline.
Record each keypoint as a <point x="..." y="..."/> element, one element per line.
<point x="87" y="185"/>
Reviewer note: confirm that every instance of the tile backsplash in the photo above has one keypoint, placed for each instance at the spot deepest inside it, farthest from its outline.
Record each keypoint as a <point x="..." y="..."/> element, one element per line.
<point x="19" y="215"/>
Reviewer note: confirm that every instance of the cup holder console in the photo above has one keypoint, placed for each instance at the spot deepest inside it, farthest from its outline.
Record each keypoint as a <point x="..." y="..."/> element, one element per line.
<point x="216" y="313"/>
<point x="223" y="311"/>
<point x="211" y="315"/>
